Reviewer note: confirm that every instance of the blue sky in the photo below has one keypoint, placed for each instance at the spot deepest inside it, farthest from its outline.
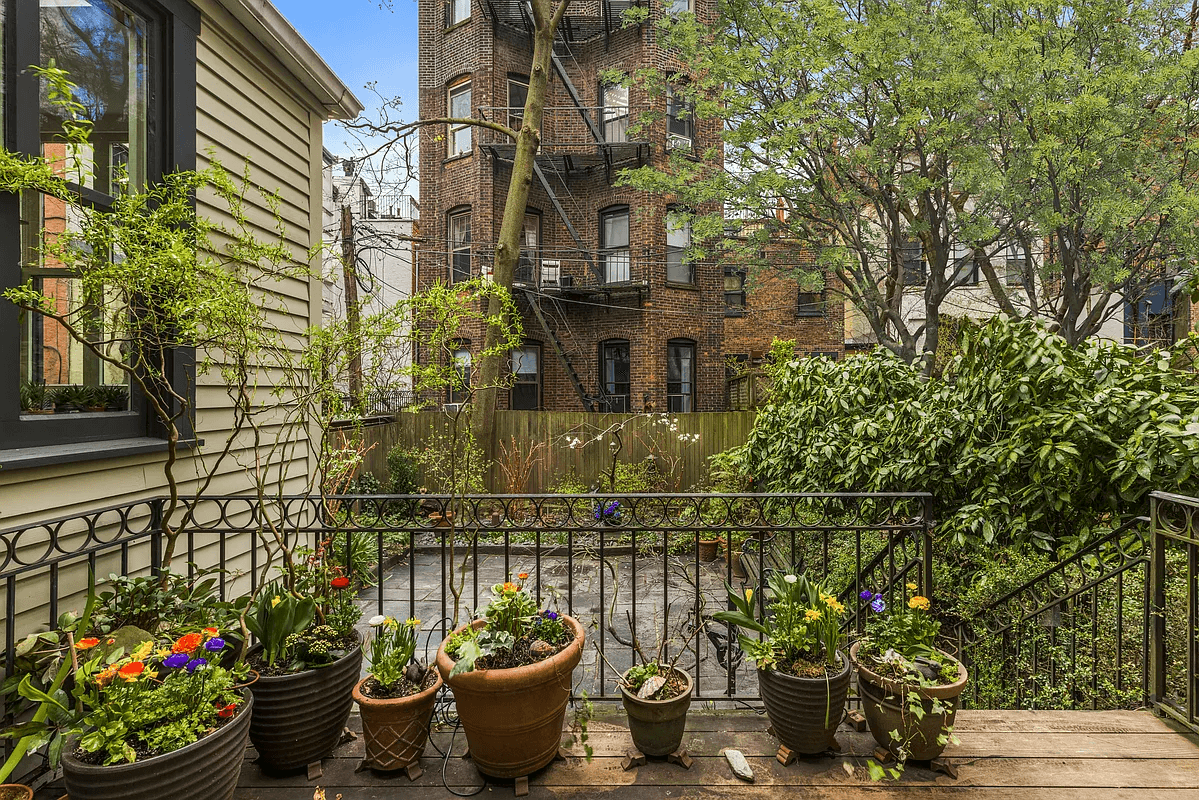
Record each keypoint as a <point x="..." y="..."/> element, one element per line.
<point x="362" y="43"/>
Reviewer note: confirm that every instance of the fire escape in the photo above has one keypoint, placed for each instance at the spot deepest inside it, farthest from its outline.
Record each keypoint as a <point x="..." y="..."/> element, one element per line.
<point x="577" y="141"/>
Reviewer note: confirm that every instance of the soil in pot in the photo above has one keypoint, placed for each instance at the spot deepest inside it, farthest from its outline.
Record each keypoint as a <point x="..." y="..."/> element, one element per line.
<point x="806" y="710"/>
<point x="299" y="717"/>
<point x="887" y="705"/>
<point x="513" y="717"/>
<point x="207" y="769"/>
<point x="395" y="720"/>
<point x="656" y="724"/>
<point x="15" y="791"/>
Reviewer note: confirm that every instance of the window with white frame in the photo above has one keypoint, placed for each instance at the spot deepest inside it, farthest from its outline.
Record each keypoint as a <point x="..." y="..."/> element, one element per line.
<point x="459" y="389"/>
<point x="615" y="112"/>
<point x="459" y="239"/>
<point x="1015" y="264"/>
<point x="614" y="244"/>
<point x="459" y="133"/>
<point x="680" y="120"/>
<point x="456" y="11"/>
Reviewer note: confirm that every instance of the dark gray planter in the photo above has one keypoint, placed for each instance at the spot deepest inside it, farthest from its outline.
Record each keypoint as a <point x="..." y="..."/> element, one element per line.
<point x="805" y="712"/>
<point x="204" y="770"/>
<point x="299" y="719"/>
<point x="657" y="725"/>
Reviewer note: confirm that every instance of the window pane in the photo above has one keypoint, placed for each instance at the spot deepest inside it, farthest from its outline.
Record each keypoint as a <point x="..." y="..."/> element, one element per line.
<point x="460" y="102"/>
<point x="524" y="362"/>
<point x="615" y="372"/>
<point x="615" y="243"/>
<point x="460" y="247"/>
<point x="678" y="239"/>
<point x="103" y="47"/>
<point x="616" y="266"/>
<point x="460" y="108"/>
<point x="680" y="377"/>
<point x="616" y="230"/>
<point x="457" y="11"/>
<point x="518" y="94"/>
<point x="615" y="101"/>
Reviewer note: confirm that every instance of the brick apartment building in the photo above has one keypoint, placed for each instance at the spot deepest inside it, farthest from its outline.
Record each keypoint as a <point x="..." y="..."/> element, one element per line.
<point x="615" y="317"/>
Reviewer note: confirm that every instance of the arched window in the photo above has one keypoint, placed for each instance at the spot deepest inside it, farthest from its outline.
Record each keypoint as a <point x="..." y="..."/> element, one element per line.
<point x="526" y="377"/>
<point x="615" y="374"/>
<point x="458" y="230"/>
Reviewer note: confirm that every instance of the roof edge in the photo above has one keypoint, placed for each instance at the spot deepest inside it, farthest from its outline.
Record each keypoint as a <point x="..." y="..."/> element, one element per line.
<point x="284" y="42"/>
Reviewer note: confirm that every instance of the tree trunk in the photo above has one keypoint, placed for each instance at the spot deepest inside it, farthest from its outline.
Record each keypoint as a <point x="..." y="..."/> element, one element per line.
<point x="507" y="251"/>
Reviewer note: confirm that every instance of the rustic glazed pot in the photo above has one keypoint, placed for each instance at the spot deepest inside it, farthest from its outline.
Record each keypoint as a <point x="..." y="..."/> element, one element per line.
<point x="513" y="717"/>
<point x="395" y="729"/>
<point x="805" y="712"/>
<point x="709" y="549"/>
<point x="657" y="725"/>
<point x="204" y="770"/>
<point x="299" y="719"/>
<point x="887" y="707"/>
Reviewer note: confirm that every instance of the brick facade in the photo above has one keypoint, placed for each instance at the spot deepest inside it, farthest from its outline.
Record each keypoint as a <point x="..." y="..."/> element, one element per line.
<point x="647" y="312"/>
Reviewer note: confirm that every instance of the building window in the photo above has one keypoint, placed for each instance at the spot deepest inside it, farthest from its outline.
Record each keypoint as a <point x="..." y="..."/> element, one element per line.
<point x="518" y="95"/>
<point x="678" y="6"/>
<point x="615" y="374"/>
<point x="679" y="266"/>
<point x="680" y="120"/>
<point x="965" y="269"/>
<point x="135" y="73"/>
<point x="459" y="389"/>
<point x="680" y="375"/>
<point x="811" y="304"/>
<point x="530" y="253"/>
<point x="734" y="290"/>
<point x="456" y="11"/>
<point x="1014" y="263"/>
<point x="614" y="244"/>
<point x="915" y="270"/>
<point x="460" y="108"/>
<point x="615" y="102"/>
<point x="526" y="377"/>
<point x="459" y="228"/>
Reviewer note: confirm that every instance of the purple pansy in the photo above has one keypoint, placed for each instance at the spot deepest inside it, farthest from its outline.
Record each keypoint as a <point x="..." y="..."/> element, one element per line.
<point x="550" y="615"/>
<point x="196" y="663"/>
<point x="866" y="594"/>
<point x="175" y="661"/>
<point x="877" y="605"/>
<point x="215" y="644"/>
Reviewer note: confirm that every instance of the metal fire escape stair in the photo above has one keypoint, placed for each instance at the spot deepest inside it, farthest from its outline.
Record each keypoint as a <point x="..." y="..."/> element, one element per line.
<point x="559" y="350"/>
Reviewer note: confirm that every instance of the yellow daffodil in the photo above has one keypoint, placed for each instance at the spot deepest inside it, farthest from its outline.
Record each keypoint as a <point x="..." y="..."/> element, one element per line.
<point x="811" y="615"/>
<point x="912" y="587"/>
<point x="276" y="600"/>
<point x="749" y="595"/>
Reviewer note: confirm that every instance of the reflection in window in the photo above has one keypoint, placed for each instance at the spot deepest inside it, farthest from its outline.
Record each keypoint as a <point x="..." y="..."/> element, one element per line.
<point x="456" y="11"/>
<point x="460" y="108"/>
<point x="615" y="102"/>
<point x="459" y="390"/>
<point x="679" y="268"/>
<point x="526" y="376"/>
<point x="680" y="120"/>
<point x="615" y="375"/>
<point x="680" y="375"/>
<point x="459" y="246"/>
<point x="614" y="245"/>
<point x="518" y="95"/>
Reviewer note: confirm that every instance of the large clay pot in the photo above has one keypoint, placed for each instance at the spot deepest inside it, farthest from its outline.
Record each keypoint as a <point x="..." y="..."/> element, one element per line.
<point x="657" y="725"/>
<point x="299" y="719"/>
<point x="204" y="770"/>
<point x="888" y="707"/>
<point x="709" y="549"/>
<point x="805" y="712"/>
<point x="395" y="729"/>
<point x="513" y="717"/>
<point x="16" y="791"/>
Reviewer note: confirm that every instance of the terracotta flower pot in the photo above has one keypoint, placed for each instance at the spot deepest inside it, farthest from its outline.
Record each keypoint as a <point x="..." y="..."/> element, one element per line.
<point x="395" y="729"/>
<point x="204" y="770"/>
<point x="513" y="717"/>
<point x="709" y="549"/>
<point x="299" y="719"/>
<point x="805" y="712"/>
<point x="887" y="707"/>
<point x="657" y="725"/>
<point x="15" y="791"/>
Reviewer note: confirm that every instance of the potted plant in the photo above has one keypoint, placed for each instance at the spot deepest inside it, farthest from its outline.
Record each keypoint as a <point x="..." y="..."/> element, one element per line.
<point x="510" y="672"/>
<point x="396" y="698"/>
<point x="709" y="549"/>
<point x="112" y="397"/>
<point x="72" y="398"/>
<point x="34" y="398"/>
<point x="656" y="695"/>
<point x="15" y="791"/>
<point x="308" y="659"/>
<point x="160" y="720"/>
<point x="803" y="677"/>
<point x="909" y="688"/>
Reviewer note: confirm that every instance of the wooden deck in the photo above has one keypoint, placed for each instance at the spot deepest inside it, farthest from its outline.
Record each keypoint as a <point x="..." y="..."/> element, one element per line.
<point x="1023" y="755"/>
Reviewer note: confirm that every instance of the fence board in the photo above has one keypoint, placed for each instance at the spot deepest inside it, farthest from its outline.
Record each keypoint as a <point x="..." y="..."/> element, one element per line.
<point x="686" y="461"/>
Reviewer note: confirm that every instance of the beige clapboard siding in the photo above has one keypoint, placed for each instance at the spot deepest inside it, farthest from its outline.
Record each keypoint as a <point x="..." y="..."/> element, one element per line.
<point x="247" y="107"/>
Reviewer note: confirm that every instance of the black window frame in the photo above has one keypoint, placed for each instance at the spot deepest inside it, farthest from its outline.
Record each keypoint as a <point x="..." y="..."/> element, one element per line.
<point x="170" y="147"/>
<point x="516" y="118"/>
<point x="450" y="21"/>
<point x="459" y="396"/>
<point x="680" y="111"/>
<point x="606" y="250"/>
<point x="735" y="301"/>
<point x="1014" y="262"/>
<point x="614" y="400"/>
<point x="685" y="261"/>
<point x="809" y="305"/>
<point x="679" y="401"/>
<point x="453" y="249"/>
<point x="537" y="382"/>
<point x="619" y="122"/>
<point x="911" y="255"/>
<point x="528" y="261"/>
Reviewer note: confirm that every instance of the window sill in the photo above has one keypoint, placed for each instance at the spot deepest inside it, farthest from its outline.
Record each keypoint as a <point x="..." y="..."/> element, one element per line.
<point x="734" y="312"/>
<point x="691" y="287"/>
<point x="50" y="455"/>
<point x="459" y="157"/>
<point x="457" y="25"/>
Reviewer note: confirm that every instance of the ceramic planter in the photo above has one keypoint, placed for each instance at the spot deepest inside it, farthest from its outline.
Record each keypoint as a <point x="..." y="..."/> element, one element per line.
<point x="204" y="770"/>
<point x="887" y="707"/>
<point x="395" y="729"/>
<point x="657" y="725"/>
<point x="709" y="549"/>
<point x="805" y="712"/>
<point x="513" y="717"/>
<point x="299" y="719"/>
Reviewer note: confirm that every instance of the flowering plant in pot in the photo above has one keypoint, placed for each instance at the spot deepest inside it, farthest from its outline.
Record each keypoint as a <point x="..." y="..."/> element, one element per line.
<point x="909" y="688"/>
<point x="510" y="671"/>
<point x="160" y="718"/>
<point x="396" y="698"/>
<point x="308" y="659"/>
<point x="803" y="677"/>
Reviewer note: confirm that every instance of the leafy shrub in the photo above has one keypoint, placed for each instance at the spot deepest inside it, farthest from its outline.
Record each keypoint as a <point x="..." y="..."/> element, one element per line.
<point x="1023" y="439"/>
<point x="403" y="470"/>
<point x="365" y="483"/>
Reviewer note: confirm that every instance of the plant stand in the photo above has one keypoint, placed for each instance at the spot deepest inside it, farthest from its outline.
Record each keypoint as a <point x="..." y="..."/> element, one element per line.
<point x="883" y="756"/>
<point x="635" y="758"/>
<point x="521" y="786"/>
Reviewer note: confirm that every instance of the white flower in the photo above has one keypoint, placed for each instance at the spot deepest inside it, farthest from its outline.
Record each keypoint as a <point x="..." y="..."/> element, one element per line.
<point x="376" y="620"/>
<point x="790" y="578"/>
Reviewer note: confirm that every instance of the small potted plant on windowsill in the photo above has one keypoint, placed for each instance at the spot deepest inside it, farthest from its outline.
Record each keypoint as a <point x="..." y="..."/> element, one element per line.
<point x="73" y="398"/>
<point x="909" y="688"/>
<point x="510" y="672"/>
<point x="802" y="675"/>
<point x="112" y="397"/>
<point x="396" y="698"/>
<point x="35" y="399"/>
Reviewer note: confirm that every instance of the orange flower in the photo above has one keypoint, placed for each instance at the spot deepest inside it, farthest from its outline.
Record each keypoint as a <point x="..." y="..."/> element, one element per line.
<point x="227" y="711"/>
<point x="112" y="641"/>
<point x="510" y="587"/>
<point x="105" y="675"/>
<point x="210" y="632"/>
<point x="523" y="576"/>
<point x="131" y="670"/>
<point x="187" y="643"/>
<point x="87" y="644"/>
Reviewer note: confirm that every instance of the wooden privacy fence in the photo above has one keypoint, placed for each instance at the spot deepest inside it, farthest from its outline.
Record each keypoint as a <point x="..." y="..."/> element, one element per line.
<point x="556" y="460"/>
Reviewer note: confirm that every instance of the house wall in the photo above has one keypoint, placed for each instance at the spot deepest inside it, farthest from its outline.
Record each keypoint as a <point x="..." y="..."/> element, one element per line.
<point x="248" y="109"/>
